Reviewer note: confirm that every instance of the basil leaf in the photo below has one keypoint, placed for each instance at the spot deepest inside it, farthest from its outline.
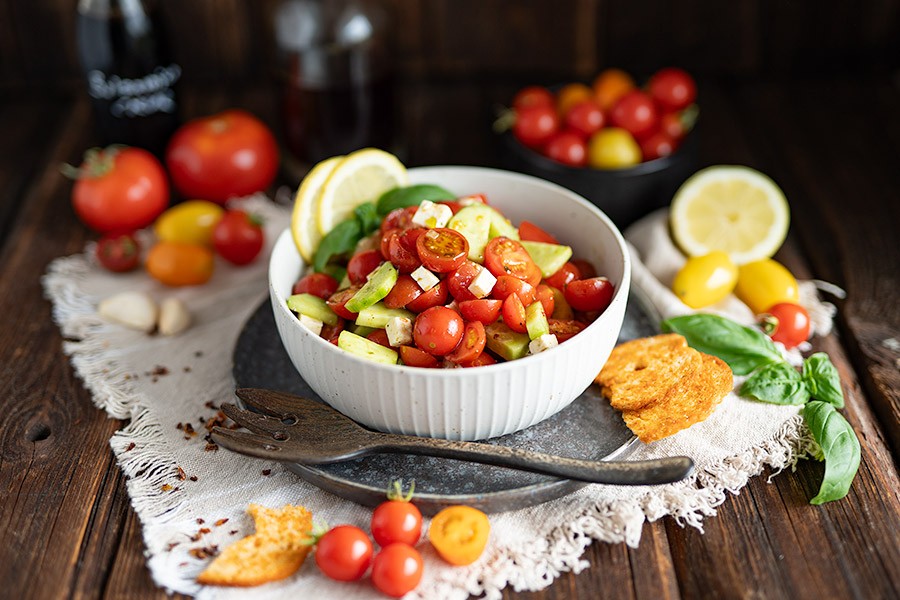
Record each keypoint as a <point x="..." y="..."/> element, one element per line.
<point x="776" y="383"/>
<point x="839" y="445"/>
<point x="822" y="379"/>
<point x="336" y="271"/>
<point x="368" y="218"/>
<point x="340" y="240"/>
<point x="744" y="349"/>
<point x="411" y="196"/>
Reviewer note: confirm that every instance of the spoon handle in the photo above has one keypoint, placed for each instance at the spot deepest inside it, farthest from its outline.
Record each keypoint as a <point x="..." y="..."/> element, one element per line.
<point x="645" y="472"/>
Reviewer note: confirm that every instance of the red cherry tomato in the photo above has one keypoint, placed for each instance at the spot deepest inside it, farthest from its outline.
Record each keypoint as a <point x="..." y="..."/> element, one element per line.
<point x="565" y="329"/>
<point x="568" y="148"/>
<point x="459" y="281"/>
<point x="453" y="204"/>
<point x="485" y="310"/>
<point x="472" y="198"/>
<point x="546" y="297"/>
<point x="483" y="360"/>
<point x="399" y="218"/>
<point x="344" y="553"/>
<point x="672" y="89"/>
<point x="337" y="302"/>
<point x="436" y="296"/>
<point x="535" y="125"/>
<point x="507" y="284"/>
<point x="513" y="312"/>
<point x="119" y="189"/>
<point x="332" y="332"/>
<point x="442" y="250"/>
<point x="504" y="256"/>
<point x="413" y="357"/>
<point x="317" y="284"/>
<point x="379" y="336"/>
<point x="585" y="118"/>
<point x="118" y="252"/>
<point x="636" y="113"/>
<point x="397" y="519"/>
<point x="404" y="291"/>
<point x="673" y="125"/>
<point x="657" y="145"/>
<point x="222" y="156"/>
<point x="585" y="269"/>
<point x="589" y="294"/>
<point x="399" y="253"/>
<point x="397" y="569"/>
<point x="533" y="95"/>
<point x="530" y="232"/>
<point x="363" y="263"/>
<point x="438" y="330"/>
<point x="787" y="323"/>
<point x="238" y="237"/>
<point x="568" y="272"/>
<point x="471" y="346"/>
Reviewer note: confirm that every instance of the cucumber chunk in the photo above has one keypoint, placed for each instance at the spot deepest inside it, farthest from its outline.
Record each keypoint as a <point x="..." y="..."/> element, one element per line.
<point x="474" y="222"/>
<point x="536" y="320"/>
<point x="501" y="226"/>
<point x="367" y="349"/>
<point x="506" y="342"/>
<point x="380" y="282"/>
<point x="378" y="315"/>
<point x="312" y="306"/>
<point x="548" y="257"/>
<point x="362" y="331"/>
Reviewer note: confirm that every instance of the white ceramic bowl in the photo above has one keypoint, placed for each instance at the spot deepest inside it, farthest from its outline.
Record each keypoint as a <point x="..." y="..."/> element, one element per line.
<point x="482" y="402"/>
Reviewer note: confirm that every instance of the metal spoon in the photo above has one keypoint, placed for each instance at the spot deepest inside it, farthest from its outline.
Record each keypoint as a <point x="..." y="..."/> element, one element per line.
<point x="289" y="428"/>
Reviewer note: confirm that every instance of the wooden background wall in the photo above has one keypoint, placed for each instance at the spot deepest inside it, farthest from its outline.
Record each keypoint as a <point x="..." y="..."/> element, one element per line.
<point x="230" y="40"/>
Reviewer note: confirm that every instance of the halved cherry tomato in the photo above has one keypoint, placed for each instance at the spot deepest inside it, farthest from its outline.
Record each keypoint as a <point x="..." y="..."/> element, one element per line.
<point x="545" y="296"/>
<point x="459" y="534"/>
<point x="568" y="272"/>
<point x="331" y="332"/>
<point x="530" y="232"/>
<point x="471" y="346"/>
<point x="485" y="310"/>
<point x="585" y="118"/>
<point x="565" y="329"/>
<point x="379" y="336"/>
<point x="586" y="270"/>
<point x="535" y="125"/>
<point x="514" y="313"/>
<point x="119" y="252"/>
<point x="397" y="569"/>
<point x="589" y="294"/>
<point x="337" y="302"/>
<point x="507" y="284"/>
<point x="787" y="323"/>
<point x="317" y="284"/>
<point x="413" y="357"/>
<point x="384" y="245"/>
<point x="436" y="296"/>
<point x="505" y="256"/>
<point x="483" y="360"/>
<point x="177" y="263"/>
<point x="442" y="250"/>
<point x="405" y="259"/>
<point x="561" y="308"/>
<point x="363" y="263"/>
<point x="404" y="291"/>
<point x="459" y="281"/>
<point x="399" y="218"/>
<point x="438" y="330"/>
<point x="533" y="95"/>
<point x="344" y="553"/>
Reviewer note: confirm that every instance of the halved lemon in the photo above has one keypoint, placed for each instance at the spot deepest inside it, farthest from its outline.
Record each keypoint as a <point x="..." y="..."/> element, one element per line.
<point x="734" y="209"/>
<point x="305" y="217"/>
<point x="359" y="177"/>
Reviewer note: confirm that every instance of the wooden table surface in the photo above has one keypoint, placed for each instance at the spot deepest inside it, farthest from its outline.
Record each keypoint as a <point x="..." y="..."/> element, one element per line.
<point x="66" y="525"/>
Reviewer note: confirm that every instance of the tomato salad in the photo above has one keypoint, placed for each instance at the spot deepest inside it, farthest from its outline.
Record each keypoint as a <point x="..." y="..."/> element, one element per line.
<point x="451" y="283"/>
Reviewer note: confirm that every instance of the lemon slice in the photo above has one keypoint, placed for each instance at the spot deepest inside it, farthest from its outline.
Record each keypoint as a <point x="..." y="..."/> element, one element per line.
<point x="305" y="218"/>
<point x="734" y="209"/>
<point x="360" y="177"/>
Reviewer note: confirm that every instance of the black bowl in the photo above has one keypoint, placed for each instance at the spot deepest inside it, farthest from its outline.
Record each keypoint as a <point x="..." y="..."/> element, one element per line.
<point x="626" y="194"/>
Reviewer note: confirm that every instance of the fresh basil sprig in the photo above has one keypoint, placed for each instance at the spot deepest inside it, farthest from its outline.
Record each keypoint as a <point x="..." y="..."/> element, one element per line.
<point x="342" y="239"/>
<point x="412" y="195"/>
<point x="773" y="380"/>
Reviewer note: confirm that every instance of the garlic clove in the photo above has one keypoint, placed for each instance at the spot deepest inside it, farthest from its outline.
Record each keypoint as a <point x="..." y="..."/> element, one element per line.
<point x="135" y="310"/>
<point x="174" y="317"/>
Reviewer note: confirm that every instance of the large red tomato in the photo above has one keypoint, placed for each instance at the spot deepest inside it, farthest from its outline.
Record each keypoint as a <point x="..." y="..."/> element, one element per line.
<point x="216" y="158"/>
<point x="119" y="189"/>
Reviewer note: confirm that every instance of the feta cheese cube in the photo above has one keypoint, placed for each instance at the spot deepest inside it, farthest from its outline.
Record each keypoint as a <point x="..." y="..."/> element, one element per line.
<point x="432" y="215"/>
<point x="399" y="331"/>
<point x="483" y="283"/>
<point x="425" y="278"/>
<point x="313" y="325"/>
<point x="545" y="342"/>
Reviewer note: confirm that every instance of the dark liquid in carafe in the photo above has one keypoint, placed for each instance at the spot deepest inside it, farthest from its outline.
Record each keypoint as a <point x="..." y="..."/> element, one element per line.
<point x="129" y="78"/>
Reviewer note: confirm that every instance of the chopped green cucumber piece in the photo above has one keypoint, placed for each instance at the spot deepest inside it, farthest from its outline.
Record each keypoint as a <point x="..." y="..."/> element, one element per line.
<point x="362" y="330"/>
<point x="536" y="320"/>
<point x="380" y="282"/>
<point x="360" y="346"/>
<point x="313" y="307"/>
<point x="474" y="222"/>
<point x="548" y="257"/>
<point x="502" y="226"/>
<point x="506" y="342"/>
<point x="378" y="315"/>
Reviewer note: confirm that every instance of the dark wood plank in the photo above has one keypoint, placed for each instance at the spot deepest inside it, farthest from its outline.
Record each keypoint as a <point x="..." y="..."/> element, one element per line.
<point x="129" y="576"/>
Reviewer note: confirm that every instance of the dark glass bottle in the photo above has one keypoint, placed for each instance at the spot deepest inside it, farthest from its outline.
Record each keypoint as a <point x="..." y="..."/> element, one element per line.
<point x="130" y="77"/>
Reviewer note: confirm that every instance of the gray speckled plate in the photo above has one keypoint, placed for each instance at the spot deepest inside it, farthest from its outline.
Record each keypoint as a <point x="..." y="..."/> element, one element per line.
<point x="588" y="428"/>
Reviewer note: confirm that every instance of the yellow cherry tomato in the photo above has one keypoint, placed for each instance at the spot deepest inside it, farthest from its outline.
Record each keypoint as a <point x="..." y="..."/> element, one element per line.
<point x="570" y="95"/>
<point x="613" y="148"/>
<point x="705" y="280"/>
<point x="459" y="534"/>
<point x="177" y="263"/>
<point x="610" y="85"/>
<point x="764" y="283"/>
<point x="191" y="222"/>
